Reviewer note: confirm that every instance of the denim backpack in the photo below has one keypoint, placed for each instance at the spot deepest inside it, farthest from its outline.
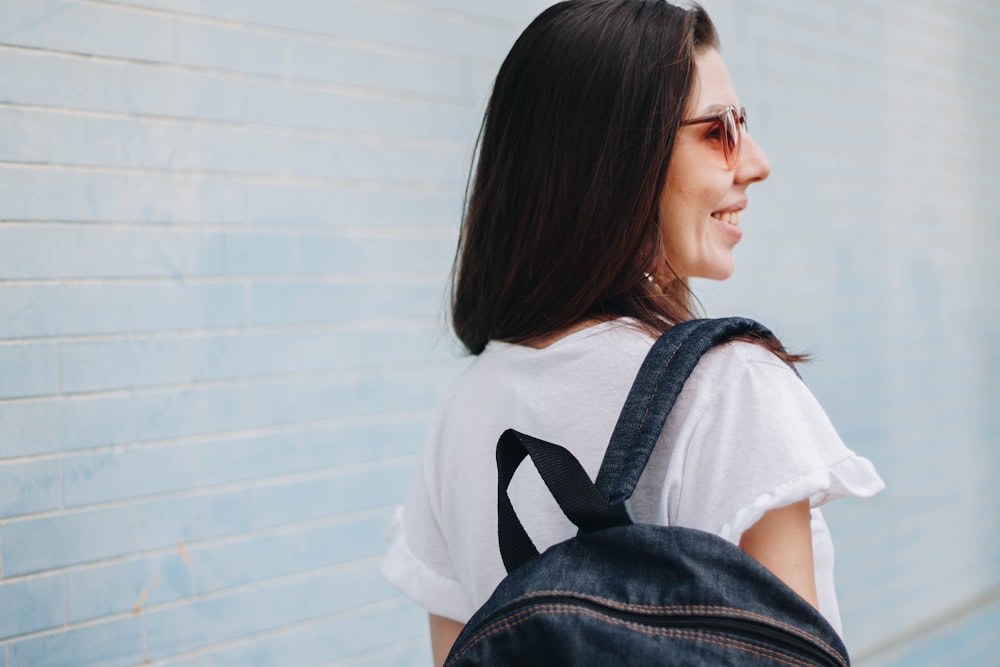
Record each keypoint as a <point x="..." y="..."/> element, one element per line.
<point x="622" y="593"/>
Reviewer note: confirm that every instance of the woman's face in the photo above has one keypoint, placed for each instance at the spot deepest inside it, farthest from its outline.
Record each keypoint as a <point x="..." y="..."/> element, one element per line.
<point x="701" y="203"/>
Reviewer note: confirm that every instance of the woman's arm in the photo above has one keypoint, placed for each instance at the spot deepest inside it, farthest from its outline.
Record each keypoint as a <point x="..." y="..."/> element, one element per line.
<point x="444" y="632"/>
<point x="782" y="542"/>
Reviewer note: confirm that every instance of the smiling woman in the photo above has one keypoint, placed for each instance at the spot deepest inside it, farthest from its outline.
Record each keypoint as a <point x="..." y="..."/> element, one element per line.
<point x="613" y="166"/>
<point x="714" y="162"/>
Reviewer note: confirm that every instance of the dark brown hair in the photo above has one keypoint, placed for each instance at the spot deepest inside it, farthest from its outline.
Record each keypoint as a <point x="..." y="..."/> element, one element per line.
<point x="562" y="220"/>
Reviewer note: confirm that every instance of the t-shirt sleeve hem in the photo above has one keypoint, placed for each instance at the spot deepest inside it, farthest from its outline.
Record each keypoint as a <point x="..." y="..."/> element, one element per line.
<point x="853" y="476"/>
<point x="416" y="580"/>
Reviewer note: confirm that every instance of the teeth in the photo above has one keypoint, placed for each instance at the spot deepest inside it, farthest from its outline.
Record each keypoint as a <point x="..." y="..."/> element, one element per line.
<point x="731" y="217"/>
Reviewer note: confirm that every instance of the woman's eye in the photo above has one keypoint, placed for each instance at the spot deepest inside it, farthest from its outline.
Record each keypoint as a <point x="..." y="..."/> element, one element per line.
<point x="715" y="133"/>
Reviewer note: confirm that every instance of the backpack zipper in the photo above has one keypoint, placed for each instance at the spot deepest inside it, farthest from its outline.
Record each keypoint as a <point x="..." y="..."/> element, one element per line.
<point x="774" y="637"/>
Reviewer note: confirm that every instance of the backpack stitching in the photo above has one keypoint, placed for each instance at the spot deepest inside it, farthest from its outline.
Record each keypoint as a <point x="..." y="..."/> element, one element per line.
<point x="690" y="609"/>
<point x="703" y="636"/>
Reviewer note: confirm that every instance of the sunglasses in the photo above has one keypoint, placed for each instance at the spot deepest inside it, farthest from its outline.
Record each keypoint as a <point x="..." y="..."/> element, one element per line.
<point x="729" y="120"/>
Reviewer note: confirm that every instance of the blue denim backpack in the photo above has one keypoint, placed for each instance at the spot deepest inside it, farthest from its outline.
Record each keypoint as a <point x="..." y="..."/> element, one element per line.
<point x="621" y="593"/>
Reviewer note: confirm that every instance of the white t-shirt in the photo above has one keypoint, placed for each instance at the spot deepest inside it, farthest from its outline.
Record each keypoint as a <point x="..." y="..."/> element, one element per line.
<point x="745" y="436"/>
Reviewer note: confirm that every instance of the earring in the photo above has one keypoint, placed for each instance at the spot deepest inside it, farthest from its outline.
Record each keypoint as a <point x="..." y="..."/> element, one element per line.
<point x="652" y="281"/>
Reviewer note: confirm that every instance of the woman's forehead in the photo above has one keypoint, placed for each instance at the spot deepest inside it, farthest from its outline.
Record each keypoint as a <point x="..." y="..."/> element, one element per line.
<point x="713" y="89"/>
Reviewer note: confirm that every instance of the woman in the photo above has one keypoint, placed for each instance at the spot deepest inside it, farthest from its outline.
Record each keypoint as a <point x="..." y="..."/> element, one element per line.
<point x="614" y="165"/>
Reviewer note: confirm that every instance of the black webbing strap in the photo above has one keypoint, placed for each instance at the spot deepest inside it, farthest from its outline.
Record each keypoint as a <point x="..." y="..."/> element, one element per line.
<point x="567" y="481"/>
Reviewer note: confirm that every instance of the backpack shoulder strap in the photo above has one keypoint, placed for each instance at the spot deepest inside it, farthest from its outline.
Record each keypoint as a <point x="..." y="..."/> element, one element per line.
<point x="603" y="503"/>
<point x="658" y="383"/>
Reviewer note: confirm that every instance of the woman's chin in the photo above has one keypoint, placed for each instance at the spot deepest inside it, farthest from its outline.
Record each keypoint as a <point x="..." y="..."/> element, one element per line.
<point x="720" y="271"/>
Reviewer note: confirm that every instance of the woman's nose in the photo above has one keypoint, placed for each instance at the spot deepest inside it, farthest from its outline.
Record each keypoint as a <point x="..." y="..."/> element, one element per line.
<point x="753" y="164"/>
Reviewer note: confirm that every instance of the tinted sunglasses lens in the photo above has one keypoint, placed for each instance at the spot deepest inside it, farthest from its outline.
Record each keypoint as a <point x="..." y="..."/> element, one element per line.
<point x="731" y="134"/>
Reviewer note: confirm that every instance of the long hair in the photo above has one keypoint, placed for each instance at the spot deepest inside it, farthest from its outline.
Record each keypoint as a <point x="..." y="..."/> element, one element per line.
<point x="563" y="216"/>
<point x="562" y="221"/>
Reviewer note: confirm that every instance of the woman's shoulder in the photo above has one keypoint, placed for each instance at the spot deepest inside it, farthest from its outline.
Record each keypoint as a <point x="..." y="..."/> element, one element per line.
<point x="614" y="348"/>
<point x="606" y="355"/>
<point x="727" y="364"/>
<point x="512" y="382"/>
<point x="743" y="381"/>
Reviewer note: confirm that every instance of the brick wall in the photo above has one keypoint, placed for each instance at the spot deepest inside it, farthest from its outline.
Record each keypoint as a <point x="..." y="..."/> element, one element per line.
<point x="226" y="225"/>
<point x="224" y="231"/>
<point x="872" y="245"/>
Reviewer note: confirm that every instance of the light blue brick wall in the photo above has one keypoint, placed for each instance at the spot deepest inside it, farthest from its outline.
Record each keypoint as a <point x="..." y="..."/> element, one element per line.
<point x="871" y="246"/>
<point x="224" y="231"/>
<point x="225" y="227"/>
